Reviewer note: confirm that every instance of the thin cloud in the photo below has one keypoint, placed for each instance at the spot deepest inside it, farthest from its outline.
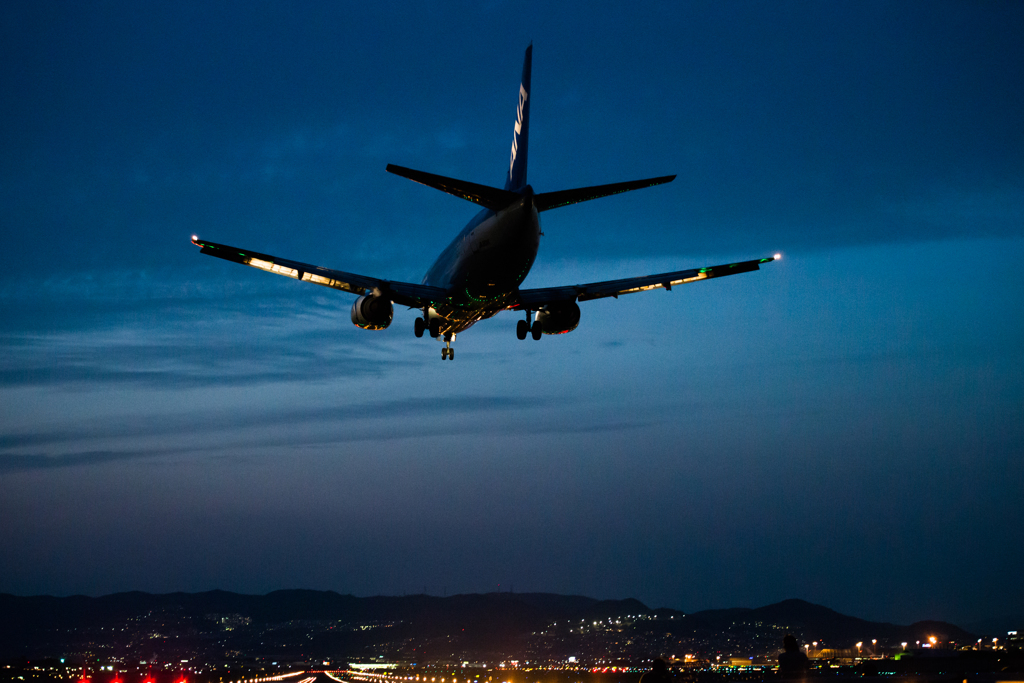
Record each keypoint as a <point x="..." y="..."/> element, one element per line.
<point x="10" y="462"/>
<point x="13" y="462"/>
<point x="206" y="423"/>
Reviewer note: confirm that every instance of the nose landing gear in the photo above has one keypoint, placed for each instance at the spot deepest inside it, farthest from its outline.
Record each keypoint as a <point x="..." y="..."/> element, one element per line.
<point x="448" y="353"/>
<point x="432" y="326"/>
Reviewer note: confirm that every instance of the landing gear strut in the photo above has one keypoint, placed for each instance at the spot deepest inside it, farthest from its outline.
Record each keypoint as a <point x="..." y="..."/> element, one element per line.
<point x="448" y="353"/>
<point x="523" y="328"/>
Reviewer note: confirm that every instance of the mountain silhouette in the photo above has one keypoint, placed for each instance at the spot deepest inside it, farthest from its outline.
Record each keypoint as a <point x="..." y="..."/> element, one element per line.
<point x="328" y="622"/>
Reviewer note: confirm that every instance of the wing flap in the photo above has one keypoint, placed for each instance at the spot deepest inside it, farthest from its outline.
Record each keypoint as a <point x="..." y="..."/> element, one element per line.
<point x="402" y="293"/>
<point x="536" y="298"/>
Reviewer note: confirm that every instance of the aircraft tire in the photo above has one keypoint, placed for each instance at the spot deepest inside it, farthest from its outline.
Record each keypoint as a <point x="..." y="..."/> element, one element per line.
<point x="522" y="328"/>
<point x="418" y="327"/>
<point x="435" y="328"/>
<point x="451" y="354"/>
<point x="444" y="353"/>
<point x="536" y="330"/>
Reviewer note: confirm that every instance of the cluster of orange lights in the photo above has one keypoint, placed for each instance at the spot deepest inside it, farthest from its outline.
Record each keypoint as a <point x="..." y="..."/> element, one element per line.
<point x="280" y="677"/>
<point x="397" y="679"/>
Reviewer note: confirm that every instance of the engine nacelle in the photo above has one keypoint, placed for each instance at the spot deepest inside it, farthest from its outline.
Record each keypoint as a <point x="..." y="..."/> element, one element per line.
<point x="372" y="312"/>
<point x="559" y="318"/>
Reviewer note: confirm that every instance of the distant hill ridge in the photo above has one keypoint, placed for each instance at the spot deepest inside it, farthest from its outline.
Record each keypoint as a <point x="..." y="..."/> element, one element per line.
<point x="301" y="604"/>
<point x="831" y="625"/>
<point x="498" y="615"/>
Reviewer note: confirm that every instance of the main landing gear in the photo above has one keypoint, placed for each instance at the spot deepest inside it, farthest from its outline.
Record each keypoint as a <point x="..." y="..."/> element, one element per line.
<point x="523" y="327"/>
<point x="420" y="325"/>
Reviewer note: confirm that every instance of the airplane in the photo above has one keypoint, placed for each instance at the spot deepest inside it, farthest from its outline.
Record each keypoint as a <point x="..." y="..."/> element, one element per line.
<point x="479" y="274"/>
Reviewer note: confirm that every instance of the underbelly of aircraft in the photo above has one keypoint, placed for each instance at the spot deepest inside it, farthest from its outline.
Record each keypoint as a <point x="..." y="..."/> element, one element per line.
<point x="488" y="287"/>
<point x="491" y="273"/>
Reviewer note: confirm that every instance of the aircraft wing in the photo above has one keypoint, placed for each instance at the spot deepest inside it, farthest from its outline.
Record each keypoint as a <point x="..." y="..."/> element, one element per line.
<point x="534" y="299"/>
<point x="402" y="293"/>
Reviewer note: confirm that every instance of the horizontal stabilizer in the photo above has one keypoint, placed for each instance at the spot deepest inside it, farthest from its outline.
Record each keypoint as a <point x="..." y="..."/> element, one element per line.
<point x="488" y="197"/>
<point x="554" y="200"/>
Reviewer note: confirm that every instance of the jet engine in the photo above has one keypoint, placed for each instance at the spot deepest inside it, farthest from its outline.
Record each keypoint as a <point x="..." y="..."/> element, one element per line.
<point x="559" y="318"/>
<point x="372" y="312"/>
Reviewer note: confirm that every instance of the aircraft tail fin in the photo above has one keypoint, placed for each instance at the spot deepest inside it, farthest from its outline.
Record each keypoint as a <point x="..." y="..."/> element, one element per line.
<point x="488" y="197"/>
<point x="516" y="178"/>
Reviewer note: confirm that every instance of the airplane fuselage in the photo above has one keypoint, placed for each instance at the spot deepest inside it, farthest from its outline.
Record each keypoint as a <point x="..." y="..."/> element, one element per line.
<point x="484" y="265"/>
<point x="481" y="271"/>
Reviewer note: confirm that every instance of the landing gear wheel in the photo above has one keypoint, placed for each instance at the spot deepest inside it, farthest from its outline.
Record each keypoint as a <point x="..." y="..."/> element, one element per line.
<point x="419" y="326"/>
<point x="522" y="329"/>
<point x="444" y="353"/>
<point x="451" y="354"/>
<point x="536" y="330"/>
<point x="435" y="328"/>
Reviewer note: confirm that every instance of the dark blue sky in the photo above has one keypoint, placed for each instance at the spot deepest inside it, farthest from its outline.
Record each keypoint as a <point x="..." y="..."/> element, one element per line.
<point x="844" y="426"/>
